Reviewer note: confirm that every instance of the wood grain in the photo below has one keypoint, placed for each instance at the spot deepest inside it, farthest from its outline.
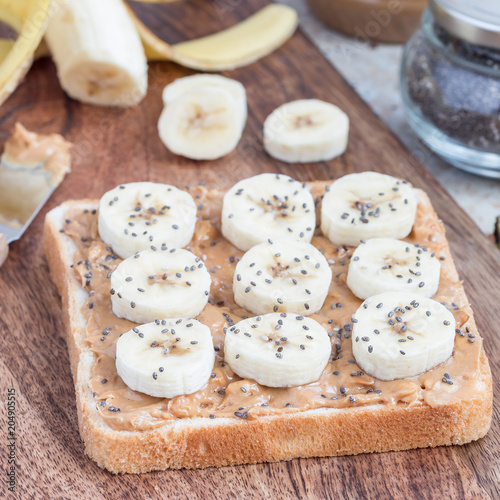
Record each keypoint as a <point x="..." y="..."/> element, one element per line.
<point x="115" y="146"/>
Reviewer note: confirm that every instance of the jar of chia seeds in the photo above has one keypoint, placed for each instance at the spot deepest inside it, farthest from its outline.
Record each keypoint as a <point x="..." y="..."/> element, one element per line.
<point x="450" y="83"/>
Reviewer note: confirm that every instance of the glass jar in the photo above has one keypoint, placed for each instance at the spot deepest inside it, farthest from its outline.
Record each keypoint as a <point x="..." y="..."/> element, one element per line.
<point x="450" y="83"/>
<point x="392" y="21"/>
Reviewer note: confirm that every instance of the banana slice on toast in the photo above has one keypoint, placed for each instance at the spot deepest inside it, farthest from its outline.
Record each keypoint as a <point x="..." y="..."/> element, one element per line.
<point x="367" y="205"/>
<point x="278" y="349"/>
<point x="282" y="275"/>
<point x="136" y="216"/>
<point x="166" y="358"/>
<point x="390" y="265"/>
<point x="161" y="283"/>
<point x="267" y="206"/>
<point x="401" y="334"/>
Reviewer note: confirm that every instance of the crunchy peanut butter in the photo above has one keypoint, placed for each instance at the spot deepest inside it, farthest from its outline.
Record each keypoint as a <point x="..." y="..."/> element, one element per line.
<point x="342" y="383"/>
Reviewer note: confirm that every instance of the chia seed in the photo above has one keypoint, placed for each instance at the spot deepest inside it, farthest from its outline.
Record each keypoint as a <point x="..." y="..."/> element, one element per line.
<point x="455" y="85"/>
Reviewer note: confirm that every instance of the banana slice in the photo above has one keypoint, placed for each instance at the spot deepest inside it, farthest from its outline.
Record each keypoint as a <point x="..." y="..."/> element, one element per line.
<point x="282" y="275"/>
<point x="136" y="216"/>
<point x="367" y="205"/>
<point x="267" y="206"/>
<point x="306" y="130"/>
<point x="166" y="358"/>
<point x="162" y="283"/>
<point x="98" y="53"/>
<point x="401" y="334"/>
<point x="203" y="123"/>
<point x="389" y="265"/>
<point x="278" y="349"/>
<point x="175" y="89"/>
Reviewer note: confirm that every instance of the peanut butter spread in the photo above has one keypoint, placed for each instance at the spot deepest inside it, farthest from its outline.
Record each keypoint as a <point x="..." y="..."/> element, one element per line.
<point x="31" y="149"/>
<point x="342" y="383"/>
<point x="32" y="164"/>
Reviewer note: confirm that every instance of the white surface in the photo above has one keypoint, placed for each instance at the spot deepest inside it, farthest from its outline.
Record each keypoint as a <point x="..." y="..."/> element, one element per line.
<point x="373" y="71"/>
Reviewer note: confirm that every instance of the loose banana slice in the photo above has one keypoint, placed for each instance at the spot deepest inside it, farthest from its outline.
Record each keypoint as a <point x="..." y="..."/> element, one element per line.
<point x="401" y="334"/>
<point x="267" y="206"/>
<point x="278" y="349"/>
<point x="161" y="283"/>
<point x="367" y="205"/>
<point x="282" y="275"/>
<point x="203" y="123"/>
<point x="389" y="265"/>
<point x="136" y="216"/>
<point x="306" y="130"/>
<point x="98" y="52"/>
<point x="166" y="358"/>
<point x="175" y="89"/>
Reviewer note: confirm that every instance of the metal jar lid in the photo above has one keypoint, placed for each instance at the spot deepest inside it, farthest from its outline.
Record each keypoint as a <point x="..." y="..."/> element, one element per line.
<point x="475" y="21"/>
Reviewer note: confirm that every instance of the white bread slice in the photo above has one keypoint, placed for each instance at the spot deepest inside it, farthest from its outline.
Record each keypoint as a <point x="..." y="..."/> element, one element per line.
<point x="203" y="442"/>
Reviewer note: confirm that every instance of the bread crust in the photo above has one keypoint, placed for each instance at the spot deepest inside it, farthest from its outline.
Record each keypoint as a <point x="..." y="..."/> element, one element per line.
<point x="202" y="442"/>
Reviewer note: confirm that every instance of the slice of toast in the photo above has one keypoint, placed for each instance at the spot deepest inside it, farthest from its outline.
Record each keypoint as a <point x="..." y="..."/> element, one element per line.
<point x="433" y="414"/>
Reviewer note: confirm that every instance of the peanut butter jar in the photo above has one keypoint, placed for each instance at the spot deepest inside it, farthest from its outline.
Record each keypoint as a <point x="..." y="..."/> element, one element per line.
<point x="392" y="21"/>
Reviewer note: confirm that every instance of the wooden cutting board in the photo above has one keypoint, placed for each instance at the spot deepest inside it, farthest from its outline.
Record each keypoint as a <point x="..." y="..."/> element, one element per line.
<point x="117" y="146"/>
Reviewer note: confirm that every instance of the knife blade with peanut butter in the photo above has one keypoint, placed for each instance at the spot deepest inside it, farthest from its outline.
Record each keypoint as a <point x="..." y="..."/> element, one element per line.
<point x="31" y="167"/>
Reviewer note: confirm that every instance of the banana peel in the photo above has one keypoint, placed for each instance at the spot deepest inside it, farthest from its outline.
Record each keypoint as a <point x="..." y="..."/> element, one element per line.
<point x="240" y="45"/>
<point x="5" y="47"/>
<point x="496" y="232"/>
<point x="29" y="19"/>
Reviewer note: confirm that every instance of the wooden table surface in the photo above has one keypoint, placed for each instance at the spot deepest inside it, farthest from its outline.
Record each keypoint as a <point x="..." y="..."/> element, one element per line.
<point x="115" y="146"/>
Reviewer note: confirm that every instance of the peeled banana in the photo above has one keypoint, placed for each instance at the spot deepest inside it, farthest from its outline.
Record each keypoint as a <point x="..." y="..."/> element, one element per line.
<point x="97" y="46"/>
<point x="98" y="53"/>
